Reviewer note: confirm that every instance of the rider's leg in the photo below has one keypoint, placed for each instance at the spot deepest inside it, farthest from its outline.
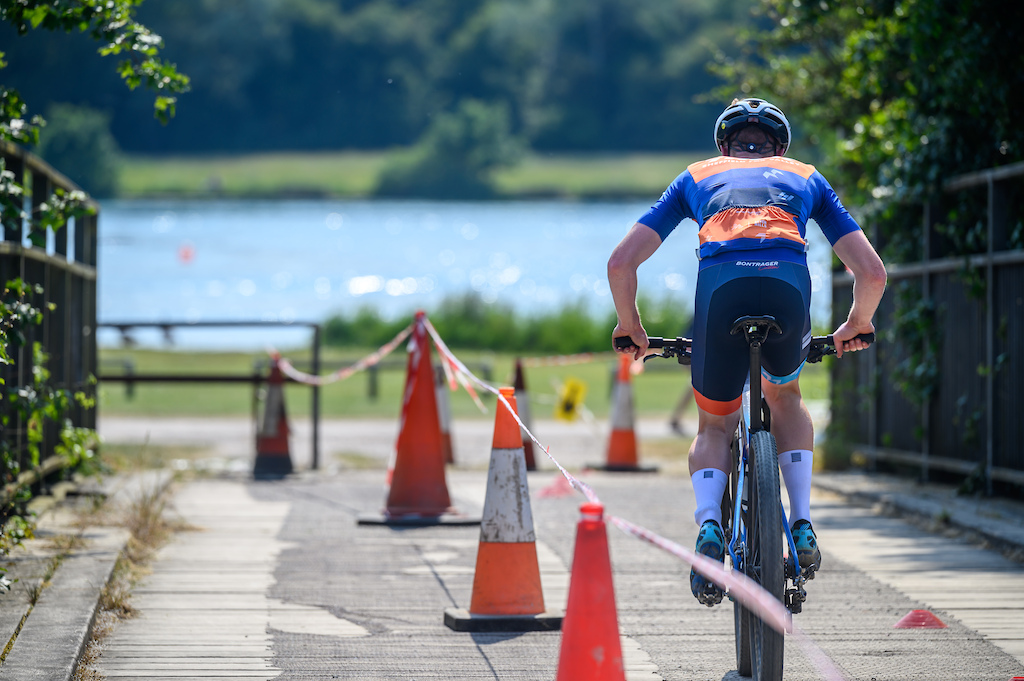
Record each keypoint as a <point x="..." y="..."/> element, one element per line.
<point x="794" y="436"/>
<point x="710" y="460"/>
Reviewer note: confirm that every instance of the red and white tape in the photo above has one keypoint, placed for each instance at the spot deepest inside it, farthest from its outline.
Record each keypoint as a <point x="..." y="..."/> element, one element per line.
<point x="565" y="360"/>
<point x="309" y="379"/>
<point x="750" y="594"/>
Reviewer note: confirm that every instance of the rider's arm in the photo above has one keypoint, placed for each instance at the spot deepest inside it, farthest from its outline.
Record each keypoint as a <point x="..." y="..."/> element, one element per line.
<point x="638" y="245"/>
<point x="869" y="278"/>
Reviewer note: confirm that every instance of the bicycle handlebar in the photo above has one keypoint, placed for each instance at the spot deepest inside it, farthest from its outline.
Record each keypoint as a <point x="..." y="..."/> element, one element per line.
<point x="681" y="347"/>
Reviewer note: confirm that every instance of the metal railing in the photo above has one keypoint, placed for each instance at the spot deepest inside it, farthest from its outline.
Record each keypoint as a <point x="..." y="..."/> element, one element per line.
<point x="256" y="378"/>
<point x="971" y="423"/>
<point x="66" y="271"/>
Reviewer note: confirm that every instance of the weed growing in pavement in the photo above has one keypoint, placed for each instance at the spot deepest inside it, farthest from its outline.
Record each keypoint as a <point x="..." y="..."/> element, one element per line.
<point x="150" y="524"/>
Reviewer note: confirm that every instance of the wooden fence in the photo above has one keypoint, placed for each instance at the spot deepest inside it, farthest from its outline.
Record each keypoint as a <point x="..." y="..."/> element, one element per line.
<point x="66" y="270"/>
<point x="971" y="422"/>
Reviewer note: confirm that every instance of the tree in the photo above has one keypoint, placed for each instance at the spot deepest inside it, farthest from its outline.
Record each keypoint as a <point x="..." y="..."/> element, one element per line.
<point x="456" y="156"/>
<point x="111" y="23"/>
<point x="77" y="140"/>
<point x="896" y="95"/>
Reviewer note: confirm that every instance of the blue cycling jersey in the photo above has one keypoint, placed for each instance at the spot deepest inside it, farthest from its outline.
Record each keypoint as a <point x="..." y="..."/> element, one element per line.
<point x="751" y="204"/>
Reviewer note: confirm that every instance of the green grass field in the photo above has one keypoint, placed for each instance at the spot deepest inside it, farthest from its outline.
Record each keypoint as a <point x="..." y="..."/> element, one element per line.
<point x="655" y="391"/>
<point x="353" y="174"/>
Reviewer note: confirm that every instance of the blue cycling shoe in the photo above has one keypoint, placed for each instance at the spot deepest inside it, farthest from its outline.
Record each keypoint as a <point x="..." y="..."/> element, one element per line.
<point x="711" y="543"/>
<point x="806" y="548"/>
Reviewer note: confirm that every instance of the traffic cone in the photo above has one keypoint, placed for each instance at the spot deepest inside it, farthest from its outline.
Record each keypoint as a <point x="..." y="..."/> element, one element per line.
<point x="919" y="619"/>
<point x="273" y="456"/>
<point x="622" y="450"/>
<point x="591" y="648"/>
<point x="507" y="594"/>
<point x="444" y="414"/>
<point x="523" y="407"/>
<point x="418" y="492"/>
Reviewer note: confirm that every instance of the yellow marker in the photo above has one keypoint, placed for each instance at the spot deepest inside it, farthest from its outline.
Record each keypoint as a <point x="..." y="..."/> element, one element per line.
<point x="569" y="399"/>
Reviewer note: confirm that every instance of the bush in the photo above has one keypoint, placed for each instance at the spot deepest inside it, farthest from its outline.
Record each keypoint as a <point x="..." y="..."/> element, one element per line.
<point x="456" y="155"/>
<point x="466" y="321"/>
<point x="76" y="140"/>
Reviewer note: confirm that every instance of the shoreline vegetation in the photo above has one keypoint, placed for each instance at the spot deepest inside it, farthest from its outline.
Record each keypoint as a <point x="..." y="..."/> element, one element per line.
<point x="356" y="175"/>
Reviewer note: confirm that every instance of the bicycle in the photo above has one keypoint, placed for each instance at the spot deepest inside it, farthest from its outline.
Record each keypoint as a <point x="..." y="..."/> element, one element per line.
<point x="751" y="526"/>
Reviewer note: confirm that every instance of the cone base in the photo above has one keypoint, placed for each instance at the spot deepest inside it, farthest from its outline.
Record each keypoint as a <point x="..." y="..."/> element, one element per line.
<point x="272" y="467"/>
<point x="620" y="468"/>
<point x="416" y="520"/>
<point x="459" y="619"/>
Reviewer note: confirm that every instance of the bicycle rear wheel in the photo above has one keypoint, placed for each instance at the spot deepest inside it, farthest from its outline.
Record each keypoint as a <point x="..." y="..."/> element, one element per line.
<point x="764" y="561"/>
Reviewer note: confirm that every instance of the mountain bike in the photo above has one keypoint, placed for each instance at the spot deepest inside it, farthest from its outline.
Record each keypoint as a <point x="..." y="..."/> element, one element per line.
<point x="753" y="519"/>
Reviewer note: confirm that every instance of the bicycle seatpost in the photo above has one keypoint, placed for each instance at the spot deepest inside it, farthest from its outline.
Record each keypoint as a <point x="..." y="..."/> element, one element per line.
<point x="755" y="330"/>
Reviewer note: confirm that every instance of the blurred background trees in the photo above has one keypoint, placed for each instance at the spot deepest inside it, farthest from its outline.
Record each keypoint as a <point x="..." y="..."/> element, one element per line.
<point x="887" y="96"/>
<point x="372" y="74"/>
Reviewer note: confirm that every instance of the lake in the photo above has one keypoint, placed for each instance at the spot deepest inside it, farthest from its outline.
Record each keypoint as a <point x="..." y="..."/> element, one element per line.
<point x="305" y="260"/>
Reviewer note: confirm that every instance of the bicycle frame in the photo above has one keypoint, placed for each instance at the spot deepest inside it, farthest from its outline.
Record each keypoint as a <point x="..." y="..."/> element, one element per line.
<point x="748" y="421"/>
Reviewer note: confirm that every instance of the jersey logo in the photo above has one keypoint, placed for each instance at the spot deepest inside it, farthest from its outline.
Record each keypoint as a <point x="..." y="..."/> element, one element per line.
<point x="772" y="173"/>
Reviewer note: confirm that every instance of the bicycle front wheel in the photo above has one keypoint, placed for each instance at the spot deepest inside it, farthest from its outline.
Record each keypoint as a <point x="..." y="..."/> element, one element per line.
<point x="764" y="560"/>
<point x="741" y="616"/>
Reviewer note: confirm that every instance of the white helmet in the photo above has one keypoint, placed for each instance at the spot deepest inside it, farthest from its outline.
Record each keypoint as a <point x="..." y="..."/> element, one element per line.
<point x="752" y="111"/>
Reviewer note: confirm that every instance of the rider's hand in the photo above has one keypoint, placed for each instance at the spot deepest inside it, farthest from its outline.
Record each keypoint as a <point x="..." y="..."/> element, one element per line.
<point x="845" y="337"/>
<point x="638" y="336"/>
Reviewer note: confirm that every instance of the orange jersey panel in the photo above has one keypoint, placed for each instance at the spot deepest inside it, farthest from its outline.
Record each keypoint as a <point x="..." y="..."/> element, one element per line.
<point x="766" y="222"/>
<point x="705" y="169"/>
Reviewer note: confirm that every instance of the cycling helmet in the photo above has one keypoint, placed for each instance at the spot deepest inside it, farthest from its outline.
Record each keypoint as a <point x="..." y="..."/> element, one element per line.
<point x="752" y="111"/>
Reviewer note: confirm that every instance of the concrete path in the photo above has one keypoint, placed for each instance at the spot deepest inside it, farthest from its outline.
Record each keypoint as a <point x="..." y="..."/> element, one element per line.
<point x="279" y="582"/>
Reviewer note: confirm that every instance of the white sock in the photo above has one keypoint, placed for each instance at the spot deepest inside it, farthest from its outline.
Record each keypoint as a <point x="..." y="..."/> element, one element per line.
<point x="709" y="486"/>
<point x="797" y="466"/>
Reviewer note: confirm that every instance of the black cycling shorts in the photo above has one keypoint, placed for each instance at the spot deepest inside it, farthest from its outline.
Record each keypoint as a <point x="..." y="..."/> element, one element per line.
<point x="751" y="286"/>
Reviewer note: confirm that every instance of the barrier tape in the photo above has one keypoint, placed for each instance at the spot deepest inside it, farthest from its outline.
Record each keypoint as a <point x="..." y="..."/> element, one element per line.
<point x="738" y="585"/>
<point x="563" y="360"/>
<point x="309" y="379"/>
<point x="745" y="590"/>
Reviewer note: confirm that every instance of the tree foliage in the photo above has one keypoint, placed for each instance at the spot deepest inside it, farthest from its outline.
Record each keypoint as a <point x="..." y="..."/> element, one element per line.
<point x="36" y="405"/>
<point x="112" y="24"/>
<point x="79" y="142"/>
<point x="895" y="95"/>
<point x="330" y="74"/>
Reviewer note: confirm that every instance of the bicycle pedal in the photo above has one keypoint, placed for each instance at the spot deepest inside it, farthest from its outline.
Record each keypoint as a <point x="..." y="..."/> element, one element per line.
<point x="710" y="597"/>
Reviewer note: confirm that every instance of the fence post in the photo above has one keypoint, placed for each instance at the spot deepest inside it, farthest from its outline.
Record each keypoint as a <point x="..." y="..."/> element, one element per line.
<point x="931" y="209"/>
<point x="316" y="397"/>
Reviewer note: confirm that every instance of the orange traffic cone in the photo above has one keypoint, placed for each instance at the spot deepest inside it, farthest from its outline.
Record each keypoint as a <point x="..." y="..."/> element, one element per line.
<point x="418" y="492"/>
<point x="444" y="414"/>
<point x="591" y="648"/>
<point x="523" y="407"/>
<point x="507" y="593"/>
<point x="273" y="456"/>
<point x="622" y="450"/>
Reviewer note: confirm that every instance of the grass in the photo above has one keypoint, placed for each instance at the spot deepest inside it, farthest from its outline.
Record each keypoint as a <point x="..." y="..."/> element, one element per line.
<point x="352" y="174"/>
<point x="655" y="391"/>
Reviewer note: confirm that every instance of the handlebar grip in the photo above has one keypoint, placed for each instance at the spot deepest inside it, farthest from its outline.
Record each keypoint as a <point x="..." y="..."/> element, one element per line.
<point x="655" y="342"/>
<point x="868" y="338"/>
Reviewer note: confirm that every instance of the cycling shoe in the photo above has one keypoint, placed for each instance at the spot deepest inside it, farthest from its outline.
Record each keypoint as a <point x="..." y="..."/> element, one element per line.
<point x="711" y="543"/>
<point x="806" y="548"/>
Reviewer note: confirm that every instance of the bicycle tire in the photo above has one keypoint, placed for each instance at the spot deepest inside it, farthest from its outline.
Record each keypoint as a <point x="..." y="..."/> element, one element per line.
<point x="764" y="559"/>
<point x="740" y="615"/>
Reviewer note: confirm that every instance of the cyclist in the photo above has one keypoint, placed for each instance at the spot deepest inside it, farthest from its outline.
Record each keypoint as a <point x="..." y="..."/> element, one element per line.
<point x="751" y="205"/>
